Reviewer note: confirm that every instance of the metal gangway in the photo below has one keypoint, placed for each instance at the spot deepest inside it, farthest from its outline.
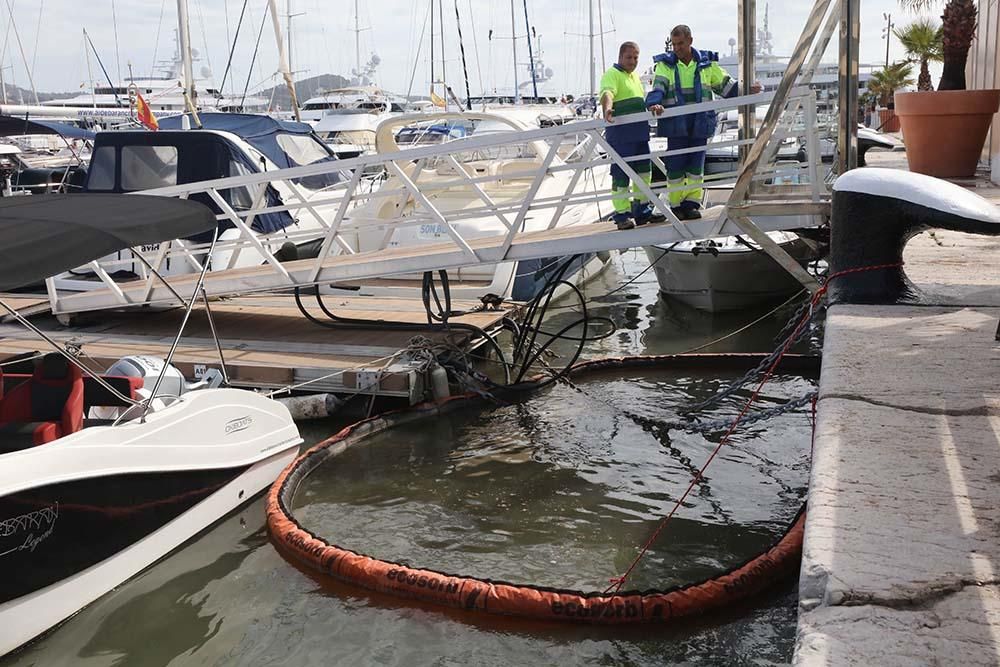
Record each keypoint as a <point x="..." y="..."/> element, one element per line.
<point x="507" y="179"/>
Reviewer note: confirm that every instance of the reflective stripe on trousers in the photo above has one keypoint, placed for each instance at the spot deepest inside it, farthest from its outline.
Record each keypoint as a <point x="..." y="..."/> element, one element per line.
<point x="685" y="169"/>
<point x="622" y="199"/>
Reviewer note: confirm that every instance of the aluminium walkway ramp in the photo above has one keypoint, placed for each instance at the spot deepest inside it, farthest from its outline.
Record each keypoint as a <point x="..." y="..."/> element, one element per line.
<point x="417" y="259"/>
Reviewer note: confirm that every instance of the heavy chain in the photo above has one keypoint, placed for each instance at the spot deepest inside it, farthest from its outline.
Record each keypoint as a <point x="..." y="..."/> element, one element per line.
<point x="783" y="344"/>
<point x="696" y="425"/>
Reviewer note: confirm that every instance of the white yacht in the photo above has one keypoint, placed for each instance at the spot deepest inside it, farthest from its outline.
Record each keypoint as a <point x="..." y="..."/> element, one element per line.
<point x="366" y="98"/>
<point x="350" y="131"/>
<point x="513" y="167"/>
<point x="227" y="145"/>
<point x="164" y="94"/>
<point x="770" y="68"/>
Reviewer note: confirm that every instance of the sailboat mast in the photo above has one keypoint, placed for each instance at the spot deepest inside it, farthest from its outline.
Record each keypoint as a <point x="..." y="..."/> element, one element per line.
<point x="286" y="72"/>
<point x="600" y="29"/>
<point x="288" y="28"/>
<point x="432" y="45"/>
<point x="593" y="73"/>
<point x="513" y="41"/>
<point x="357" y="40"/>
<point x="444" y="63"/>
<point x="531" y="55"/>
<point x="185" y="36"/>
<point x="90" y="74"/>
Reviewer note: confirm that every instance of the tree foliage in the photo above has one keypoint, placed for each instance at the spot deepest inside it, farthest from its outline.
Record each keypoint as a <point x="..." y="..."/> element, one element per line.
<point x="885" y="82"/>
<point x="923" y="43"/>
<point x="958" y="29"/>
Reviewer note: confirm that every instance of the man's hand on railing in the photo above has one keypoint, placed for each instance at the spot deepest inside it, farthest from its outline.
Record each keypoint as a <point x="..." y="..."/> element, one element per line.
<point x="756" y="88"/>
<point x="609" y="115"/>
<point x="656" y="109"/>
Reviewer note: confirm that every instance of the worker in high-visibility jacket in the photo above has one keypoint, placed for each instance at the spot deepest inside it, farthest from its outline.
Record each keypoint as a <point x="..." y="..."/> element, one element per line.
<point x="622" y="93"/>
<point x="687" y="76"/>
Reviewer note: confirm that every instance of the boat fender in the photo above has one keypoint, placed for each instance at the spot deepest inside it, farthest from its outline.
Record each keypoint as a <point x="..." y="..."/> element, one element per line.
<point x="313" y="406"/>
<point x="439" y="383"/>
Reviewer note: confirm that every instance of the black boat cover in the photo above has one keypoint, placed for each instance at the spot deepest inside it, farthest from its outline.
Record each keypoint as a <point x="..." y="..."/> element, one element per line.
<point x="12" y="125"/>
<point x="44" y="235"/>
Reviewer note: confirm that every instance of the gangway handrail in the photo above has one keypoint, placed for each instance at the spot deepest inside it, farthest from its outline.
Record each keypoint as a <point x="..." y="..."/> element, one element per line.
<point x="519" y="187"/>
<point x="462" y="145"/>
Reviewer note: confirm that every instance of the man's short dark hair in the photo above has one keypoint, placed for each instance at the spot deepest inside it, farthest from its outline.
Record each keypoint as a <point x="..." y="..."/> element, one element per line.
<point x="681" y="31"/>
<point x="627" y="45"/>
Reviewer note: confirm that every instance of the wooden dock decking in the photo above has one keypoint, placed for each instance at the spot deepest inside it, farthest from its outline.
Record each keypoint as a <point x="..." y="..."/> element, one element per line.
<point x="266" y="341"/>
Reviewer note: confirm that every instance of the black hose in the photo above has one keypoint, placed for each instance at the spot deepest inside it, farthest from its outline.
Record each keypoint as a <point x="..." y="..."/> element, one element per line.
<point x="527" y="351"/>
<point x="339" y="322"/>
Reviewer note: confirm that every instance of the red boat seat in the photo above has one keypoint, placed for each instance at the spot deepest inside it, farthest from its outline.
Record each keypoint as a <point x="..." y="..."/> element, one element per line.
<point x="45" y="408"/>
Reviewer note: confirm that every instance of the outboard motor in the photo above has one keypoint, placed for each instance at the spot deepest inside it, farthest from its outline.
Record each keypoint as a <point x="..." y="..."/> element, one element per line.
<point x="7" y="170"/>
<point x="150" y="368"/>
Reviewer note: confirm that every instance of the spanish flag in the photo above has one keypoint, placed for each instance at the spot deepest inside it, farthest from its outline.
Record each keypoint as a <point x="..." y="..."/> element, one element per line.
<point x="144" y="114"/>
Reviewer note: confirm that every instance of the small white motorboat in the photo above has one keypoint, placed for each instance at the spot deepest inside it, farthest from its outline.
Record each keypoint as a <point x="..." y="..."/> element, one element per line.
<point x="727" y="273"/>
<point x="103" y="474"/>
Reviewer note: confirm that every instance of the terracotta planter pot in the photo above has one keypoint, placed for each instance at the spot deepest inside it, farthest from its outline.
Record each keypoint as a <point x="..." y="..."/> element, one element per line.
<point x="888" y="121"/>
<point x="944" y="131"/>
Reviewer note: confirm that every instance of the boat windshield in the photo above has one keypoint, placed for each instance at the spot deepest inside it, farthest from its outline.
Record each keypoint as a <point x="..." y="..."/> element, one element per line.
<point x="352" y="137"/>
<point x="429" y="134"/>
<point x="307" y="149"/>
<point x="301" y="149"/>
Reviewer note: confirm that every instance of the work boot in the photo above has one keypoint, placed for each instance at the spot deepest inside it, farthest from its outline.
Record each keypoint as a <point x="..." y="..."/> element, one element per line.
<point x="623" y="221"/>
<point x="690" y="210"/>
<point x="647" y="213"/>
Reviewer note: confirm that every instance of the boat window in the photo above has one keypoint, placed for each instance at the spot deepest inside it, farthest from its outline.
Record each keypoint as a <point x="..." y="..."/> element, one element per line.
<point x="148" y="167"/>
<point x="302" y="149"/>
<point x="101" y="174"/>
<point x="239" y="198"/>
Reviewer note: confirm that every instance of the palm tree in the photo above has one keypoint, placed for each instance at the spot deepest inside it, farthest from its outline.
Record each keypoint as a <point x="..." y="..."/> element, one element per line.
<point x="958" y="25"/>
<point x="885" y="82"/>
<point x="922" y="41"/>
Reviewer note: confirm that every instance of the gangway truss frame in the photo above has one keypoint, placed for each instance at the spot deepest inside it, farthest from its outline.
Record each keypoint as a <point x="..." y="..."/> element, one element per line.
<point x="579" y="148"/>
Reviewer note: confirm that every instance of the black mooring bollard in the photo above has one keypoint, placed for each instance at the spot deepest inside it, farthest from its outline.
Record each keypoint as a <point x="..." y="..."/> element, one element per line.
<point x="876" y="211"/>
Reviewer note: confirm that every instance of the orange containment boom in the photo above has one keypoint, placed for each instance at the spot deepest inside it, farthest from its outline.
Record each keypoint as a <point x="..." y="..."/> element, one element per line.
<point x="511" y="599"/>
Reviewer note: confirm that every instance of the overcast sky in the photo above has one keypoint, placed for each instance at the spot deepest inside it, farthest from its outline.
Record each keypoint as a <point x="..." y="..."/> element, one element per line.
<point x="52" y="43"/>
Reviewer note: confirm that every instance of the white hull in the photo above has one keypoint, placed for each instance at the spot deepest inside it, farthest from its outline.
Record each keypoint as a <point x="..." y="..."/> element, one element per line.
<point x="734" y="277"/>
<point x="207" y="430"/>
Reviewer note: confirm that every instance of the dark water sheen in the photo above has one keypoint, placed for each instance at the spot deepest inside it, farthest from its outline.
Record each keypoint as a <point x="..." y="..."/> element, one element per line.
<point x="559" y="490"/>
